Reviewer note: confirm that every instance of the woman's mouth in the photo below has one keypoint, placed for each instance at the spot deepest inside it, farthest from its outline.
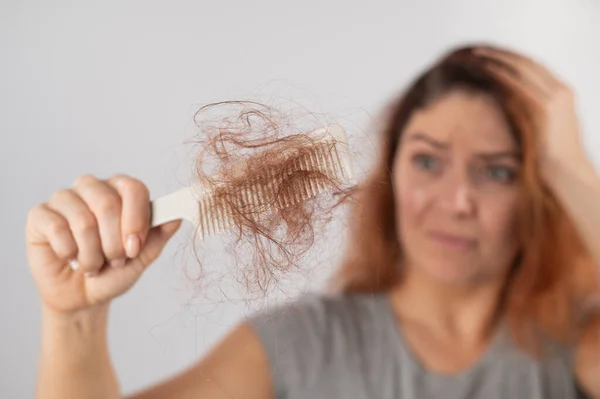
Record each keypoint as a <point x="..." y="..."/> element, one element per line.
<point x="453" y="241"/>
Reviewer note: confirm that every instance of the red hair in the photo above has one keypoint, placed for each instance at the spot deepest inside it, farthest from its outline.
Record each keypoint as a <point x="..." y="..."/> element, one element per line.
<point x="552" y="276"/>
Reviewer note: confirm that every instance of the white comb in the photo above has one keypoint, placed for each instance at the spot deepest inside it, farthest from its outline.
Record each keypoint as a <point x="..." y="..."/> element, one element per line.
<point x="196" y="204"/>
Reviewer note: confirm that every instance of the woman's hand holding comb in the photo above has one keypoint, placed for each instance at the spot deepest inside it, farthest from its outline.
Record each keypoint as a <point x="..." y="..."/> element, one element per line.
<point x="90" y="243"/>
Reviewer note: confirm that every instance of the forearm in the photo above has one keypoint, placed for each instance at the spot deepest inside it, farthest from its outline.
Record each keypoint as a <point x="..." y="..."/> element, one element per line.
<point x="577" y="186"/>
<point x="75" y="361"/>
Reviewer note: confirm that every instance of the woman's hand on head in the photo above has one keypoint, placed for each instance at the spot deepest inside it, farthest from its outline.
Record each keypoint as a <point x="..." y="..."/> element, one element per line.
<point x="552" y="100"/>
<point x="101" y="228"/>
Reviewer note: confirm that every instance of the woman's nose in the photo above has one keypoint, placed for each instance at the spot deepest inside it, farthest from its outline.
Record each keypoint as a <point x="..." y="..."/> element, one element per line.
<point x="457" y="194"/>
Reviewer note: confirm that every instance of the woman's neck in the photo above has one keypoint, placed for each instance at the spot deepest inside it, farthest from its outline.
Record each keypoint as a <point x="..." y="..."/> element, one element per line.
<point x="466" y="313"/>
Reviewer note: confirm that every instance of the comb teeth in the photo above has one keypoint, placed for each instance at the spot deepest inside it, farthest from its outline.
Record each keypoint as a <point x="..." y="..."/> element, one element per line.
<point x="213" y="215"/>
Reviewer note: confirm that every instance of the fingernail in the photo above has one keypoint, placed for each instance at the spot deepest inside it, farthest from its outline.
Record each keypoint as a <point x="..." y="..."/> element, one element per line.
<point x="132" y="246"/>
<point x="117" y="262"/>
<point x="91" y="274"/>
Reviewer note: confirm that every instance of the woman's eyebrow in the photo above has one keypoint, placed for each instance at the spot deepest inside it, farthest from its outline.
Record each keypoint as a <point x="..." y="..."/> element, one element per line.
<point x="442" y="145"/>
<point x="420" y="136"/>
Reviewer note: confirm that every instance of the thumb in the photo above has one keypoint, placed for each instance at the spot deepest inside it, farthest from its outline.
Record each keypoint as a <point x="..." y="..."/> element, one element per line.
<point x="156" y="241"/>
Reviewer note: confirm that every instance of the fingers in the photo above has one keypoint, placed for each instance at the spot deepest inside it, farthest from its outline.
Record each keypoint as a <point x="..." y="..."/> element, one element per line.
<point x="106" y="221"/>
<point x="525" y="64"/>
<point x="47" y="226"/>
<point x="83" y="227"/>
<point x="536" y="96"/>
<point x="105" y="204"/>
<point x="135" y="213"/>
<point x="97" y="223"/>
<point x="529" y="72"/>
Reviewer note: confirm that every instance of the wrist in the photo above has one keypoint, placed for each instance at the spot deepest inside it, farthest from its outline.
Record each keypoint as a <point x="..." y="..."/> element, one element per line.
<point x="555" y="168"/>
<point x="74" y="357"/>
<point x="88" y="321"/>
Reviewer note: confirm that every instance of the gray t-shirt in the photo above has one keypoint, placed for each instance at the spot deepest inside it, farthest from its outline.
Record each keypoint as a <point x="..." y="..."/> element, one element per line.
<point x="351" y="347"/>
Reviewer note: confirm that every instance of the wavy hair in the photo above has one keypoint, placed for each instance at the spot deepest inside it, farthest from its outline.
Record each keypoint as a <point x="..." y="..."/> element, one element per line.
<point x="552" y="276"/>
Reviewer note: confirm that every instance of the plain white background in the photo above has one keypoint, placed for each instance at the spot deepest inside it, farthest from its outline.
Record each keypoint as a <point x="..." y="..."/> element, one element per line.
<point x="107" y="87"/>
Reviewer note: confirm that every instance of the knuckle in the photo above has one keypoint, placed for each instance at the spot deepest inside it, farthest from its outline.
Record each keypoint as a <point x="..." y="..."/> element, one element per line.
<point x="84" y="180"/>
<point x="133" y="186"/>
<point x="57" y="226"/>
<point x="119" y="178"/>
<point x="85" y="223"/>
<point x="60" y="195"/>
<point x="108" y="204"/>
<point x="34" y="213"/>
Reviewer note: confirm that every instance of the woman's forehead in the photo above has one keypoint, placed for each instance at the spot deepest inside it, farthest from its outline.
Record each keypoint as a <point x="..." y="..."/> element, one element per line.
<point x="461" y="117"/>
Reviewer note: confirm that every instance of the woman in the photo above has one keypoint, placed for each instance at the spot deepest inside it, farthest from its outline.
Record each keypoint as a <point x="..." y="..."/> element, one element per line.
<point x="471" y="275"/>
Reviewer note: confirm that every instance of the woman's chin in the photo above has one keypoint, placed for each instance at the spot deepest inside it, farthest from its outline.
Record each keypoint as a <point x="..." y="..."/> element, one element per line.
<point x="453" y="273"/>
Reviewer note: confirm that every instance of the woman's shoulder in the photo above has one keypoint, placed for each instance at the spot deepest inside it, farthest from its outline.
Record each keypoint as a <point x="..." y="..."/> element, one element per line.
<point x="313" y="335"/>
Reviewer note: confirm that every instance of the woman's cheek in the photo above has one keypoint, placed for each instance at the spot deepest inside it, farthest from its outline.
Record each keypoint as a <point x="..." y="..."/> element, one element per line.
<point x="413" y="201"/>
<point x="499" y="219"/>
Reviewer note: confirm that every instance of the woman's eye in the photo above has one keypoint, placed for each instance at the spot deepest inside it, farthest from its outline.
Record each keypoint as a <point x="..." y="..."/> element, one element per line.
<point x="426" y="162"/>
<point x="499" y="173"/>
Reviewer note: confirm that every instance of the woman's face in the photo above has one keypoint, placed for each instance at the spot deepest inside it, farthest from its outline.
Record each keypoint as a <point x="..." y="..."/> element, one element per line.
<point x="456" y="189"/>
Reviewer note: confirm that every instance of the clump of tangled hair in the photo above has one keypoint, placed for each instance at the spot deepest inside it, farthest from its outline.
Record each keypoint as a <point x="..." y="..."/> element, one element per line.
<point x="254" y="146"/>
